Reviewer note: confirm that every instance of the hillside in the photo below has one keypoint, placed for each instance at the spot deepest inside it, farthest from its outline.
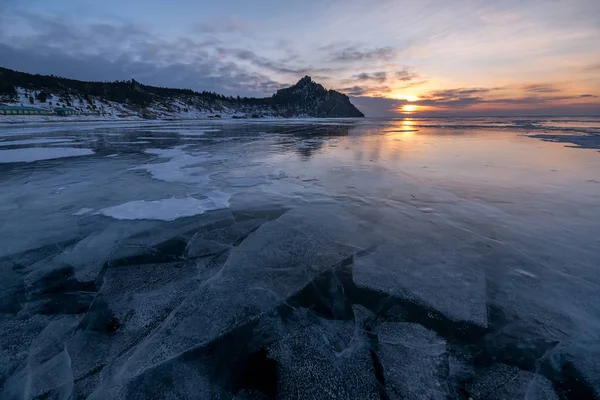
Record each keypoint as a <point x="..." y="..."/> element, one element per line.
<point x="131" y="99"/>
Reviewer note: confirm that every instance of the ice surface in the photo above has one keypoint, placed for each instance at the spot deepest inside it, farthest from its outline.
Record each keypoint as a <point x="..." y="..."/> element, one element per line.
<point x="351" y="270"/>
<point x="414" y="361"/>
<point x="47" y="371"/>
<point x="328" y="360"/>
<point x="40" y="153"/>
<point x="32" y="141"/>
<point x="503" y="382"/>
<point x="167" y="209"/>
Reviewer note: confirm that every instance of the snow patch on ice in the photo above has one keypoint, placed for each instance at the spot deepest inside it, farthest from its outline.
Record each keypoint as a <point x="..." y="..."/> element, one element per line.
<point x="182" y="167"/>
<point x="40" y="153"/>
<point x="167" y="209"/>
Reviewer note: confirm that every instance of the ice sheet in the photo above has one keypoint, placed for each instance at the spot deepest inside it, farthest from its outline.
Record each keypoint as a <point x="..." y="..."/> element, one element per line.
<point x="351" y="269"/>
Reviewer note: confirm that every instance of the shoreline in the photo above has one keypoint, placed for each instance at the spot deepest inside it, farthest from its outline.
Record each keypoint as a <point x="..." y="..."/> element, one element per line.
<point x="77" y="119"/>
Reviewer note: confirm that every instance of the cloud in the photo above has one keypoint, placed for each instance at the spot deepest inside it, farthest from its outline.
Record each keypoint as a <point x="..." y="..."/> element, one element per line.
<point x="354" y="90"/>
<point x="462" y="99"/>
<point x="593" y="67"/>
<point x="267" y="64"/>
<point x="383" y="76"/>
<point x="211" y="75"/>
<point x="230" y="25"/>
<point x="121" y="50"/>
<point x="359" y="90"/>
<point x="353" y="54"/>
<point x="541" y="88"/>
<point x="406" y="76"/>
<point x="413" y="84"/>
<point x="375" y="76"/>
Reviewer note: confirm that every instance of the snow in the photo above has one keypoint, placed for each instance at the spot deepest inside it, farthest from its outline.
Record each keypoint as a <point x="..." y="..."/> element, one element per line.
<point x="175" y="108"/>
<point x="40" y="153"/>
<point x="167" y="209"/>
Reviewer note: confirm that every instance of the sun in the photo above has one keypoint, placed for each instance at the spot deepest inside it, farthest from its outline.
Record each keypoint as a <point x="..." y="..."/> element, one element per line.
<point x="409" y="108"/>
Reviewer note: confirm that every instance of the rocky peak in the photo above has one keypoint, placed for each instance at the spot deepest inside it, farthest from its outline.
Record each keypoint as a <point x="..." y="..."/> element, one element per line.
<point x="305" y="87"/>
<point x="311" y="99"/>
<point x="304" y="81"/>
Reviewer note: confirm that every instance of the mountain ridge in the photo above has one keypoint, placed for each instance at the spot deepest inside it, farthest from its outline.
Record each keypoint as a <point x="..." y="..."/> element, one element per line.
<point x="130" y="98"/>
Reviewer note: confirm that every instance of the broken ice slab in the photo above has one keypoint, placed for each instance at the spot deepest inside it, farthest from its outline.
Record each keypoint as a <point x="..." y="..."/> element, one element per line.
<point x="133" y="301"/>
<point x="459" y="293"/>
<point x="413" y="360"/>
<point x="325" y="361"/>
<point x="232" y="234"/>
<point x="504" y="382"/>
<point x="141" y="296"/>
<point x="17" y="335"/>
<point x="166" y="241"/>
<point x="274" y="263"/>
<point x="180" y="378"/>
<point x="46" y="372"/>
<point x="215" y="241"/>
<point x="575" y="365"/>
<point x="199" y="247"/>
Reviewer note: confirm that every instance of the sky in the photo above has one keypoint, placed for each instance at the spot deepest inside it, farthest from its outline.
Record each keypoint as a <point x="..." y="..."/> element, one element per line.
<point x="393" y="58"/>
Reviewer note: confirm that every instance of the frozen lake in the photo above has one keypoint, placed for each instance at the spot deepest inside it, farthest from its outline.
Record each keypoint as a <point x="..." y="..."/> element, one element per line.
<point x="367" y="259"/>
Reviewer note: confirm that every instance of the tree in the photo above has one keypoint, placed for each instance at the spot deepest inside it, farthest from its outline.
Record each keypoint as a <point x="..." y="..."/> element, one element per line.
<point x="31" y="101"/>
<point x="7" y="90"/>
<point x="42" y="96"/>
